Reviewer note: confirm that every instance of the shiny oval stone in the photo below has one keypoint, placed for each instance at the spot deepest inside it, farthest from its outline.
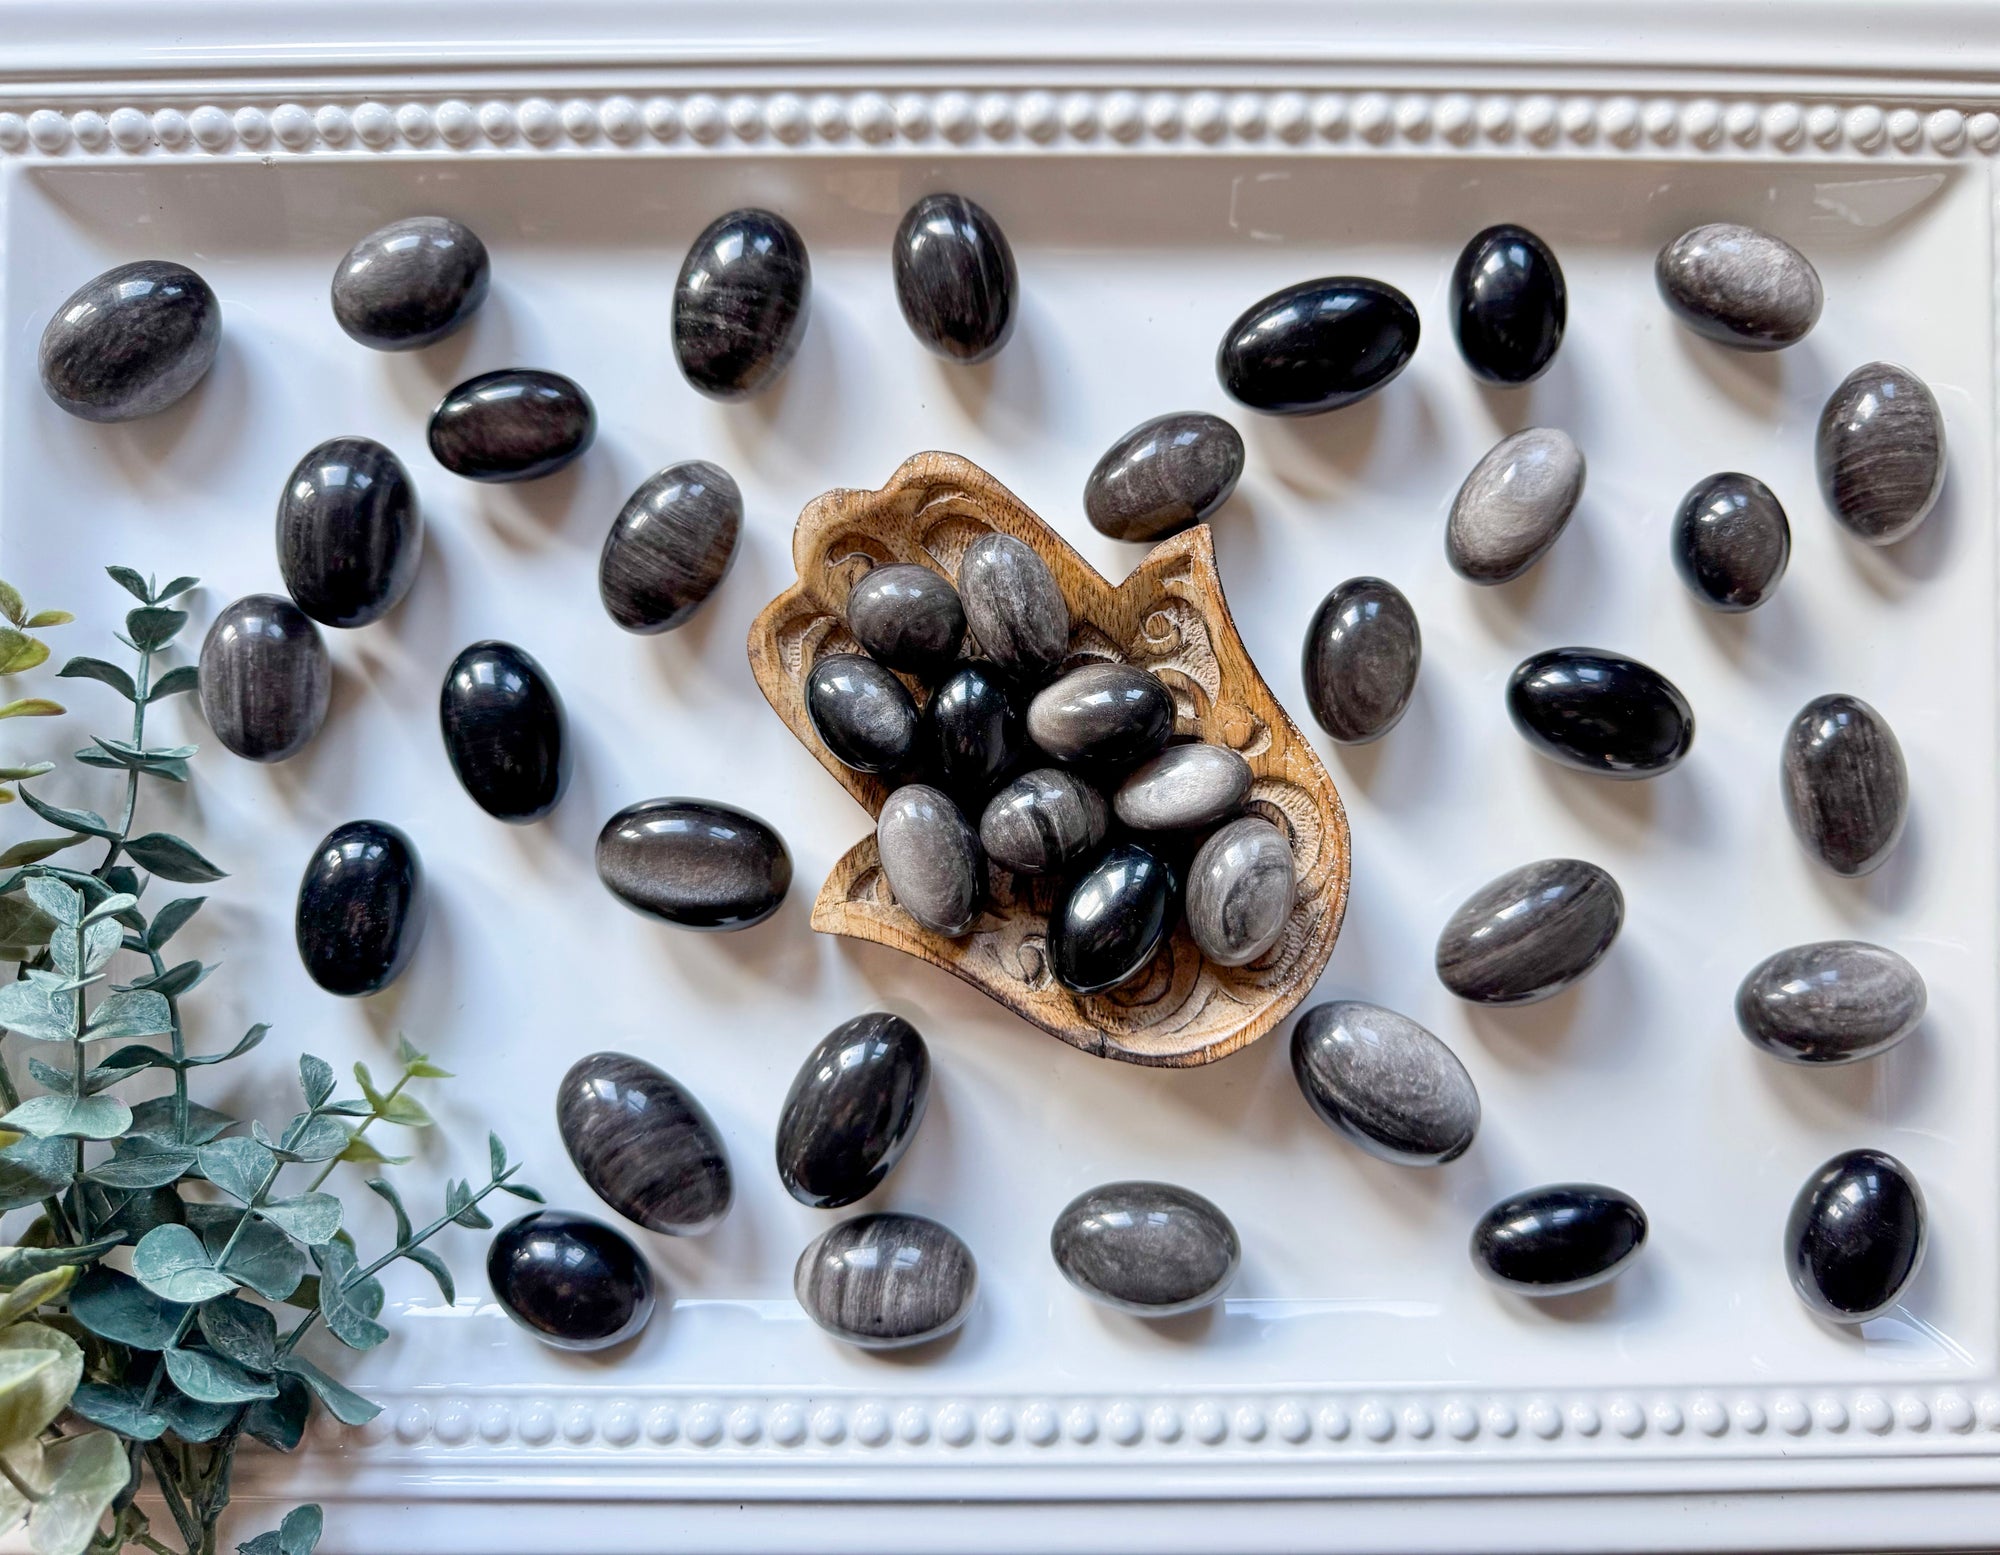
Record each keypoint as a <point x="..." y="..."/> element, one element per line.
<point x="504" y="731"/>
<point x="1856" y="1236"/>
<point x="1016" y="612"/>
<point x="1508" y="305"/>
<point x="265" y="678"/>
<point x="410" y="283"/>
<point x="740" y="303"/>
<point x="852" y="1110"/>
<point x="1163" y="476"/>
<point x="1184" y="786"/>
<point x="1731" y="541"/>
<point x="670" y="547"/>
<point x="1043" y="821"/>
<point x="1240" y="890"/>
<point x="1385" y="1082"/>
<point x="350" y="534"/>
<point x="861" y="712"/>
<point x="571" y="1281"/>
<point x="1514" y="505"/>
<point x="1111" y="920"/>
<point x="931" y="859"/>
<point x="1551" y="1241"/>
<point x="1531" y="933"/>
<point x="1363" y="650"/>
<point x="1317" y="346"/>
<point x="1147" y="1248"/>
<point x="130" y="342"/>
<point x="643" y="1144"/>
<point x="955" y="277"/>
<point x="1102" y="713"/>
<point x="517" y="424"/>
<point x="697" y="863"/>
<point x="1739" y="287"/>
<point x="1846" y="789"/>
<point x="360" y="909"/>
<point x="883" y="1281"/>
<point x="1600" y="712"/>
<point x="1880" y="452"/>
<point x="908" y="617"/>
<point x="972" y="732"/>
<point x="1831" y="1002"/>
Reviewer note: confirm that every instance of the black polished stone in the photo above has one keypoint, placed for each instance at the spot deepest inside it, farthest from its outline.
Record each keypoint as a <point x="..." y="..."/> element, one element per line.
<point x="972" y="733"/>
<point x="1600" y="712"/>
<point x="571" y="1281"/>
<point x="883" y="1281"/>
<point x="1531" y="933"/>
<point x="130" y="342"/>
<point x="1731" y="541"/>
<point x="350" y="534"/>
<point x="1103" y="714"/>
<point x="1013" y="608"/>
<point x="908" y="617"/>
<point x="697" y="863"/>
<point x="955" y="277"/>
<point x="1163" y="476"/>
<point x="862" y="713"/>
<point x="1846" y="788"/>
<point x="410" y="283"/>
<point x="360" y="909"/>
<point x="517" y="424"/>
<point x="504" y="731"/>
<point x="1363" y="649"/>
<point x="1551" y="1241"/>
<point x="1508" y="305"/>
<point x="1880" y="452"/>
<point x="852" y="1110"/>
<point x="1830" y="1002"/>
<point x="1856" y="1236"/>
<point x="740" y="303"/>
<point x="643" y="1144"/>
<point x="1042" y="821"/>
<point x="1148" y="1248"/>
<point x="1317" y="346"/>
<point x="1112" y="919"/>
<point x="265" y="678"/>
<point x="670" y="547"/>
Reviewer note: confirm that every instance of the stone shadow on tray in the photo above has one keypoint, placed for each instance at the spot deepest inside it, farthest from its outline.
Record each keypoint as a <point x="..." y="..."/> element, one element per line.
<point x="1625" y="810"/>
<point x="1204" y="1325"/>
<point x="1893" y="570"/>
<point x="200" y="431"/>
<point x="1634" y="1289"/>
<point x="1556" y="399"/>
<point x="1890" y="887"/>
<point x="1759" y="383"/>
<point x="420" y="379"/>
<point x="1011" y="384"/>
<point x="1547" y="1033"/>
<point x="1401" y="769"/>
<point x="1883" y="1089"/>
<point x="801" y="412"/>
<point x="1324" y="455"/>
<point x="1536" y="601"/>
<point x="1775" y="633"/>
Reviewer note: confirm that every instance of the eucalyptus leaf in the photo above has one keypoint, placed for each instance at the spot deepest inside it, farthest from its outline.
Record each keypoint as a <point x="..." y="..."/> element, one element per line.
<point x="345" y="1318"/>
<point x="152" y="628"/>
<point x="31" y="707"/>
<point x="117" y="1407"/>
<point x="315" y="1079"/>
<point x="35" y="1169"/>
<point x="264" y="1258"/>
<point x="24" y="929"/>
<point x="89" y="822"/>
<point x="70" y="1117"/>
<point x="240" y="1167"/>
<point x="280" y="1422"/>
<point x="37" y="1289"/>
<point x="136" y="1057"/>
<point x="59" y="1081"/>
<point x="183" y="677"/>
<point x="176" y="980"/>
<point x="385" y="1189"/>
<point x="101" y="942"/>
<point x="521" y="1190"/>
<point x="361" y="1149"/>
<point x="19" y="651"/>
<point x="209" y="1378"/>
<point x="192" y="1420"/>
<point x="12" y="606"/>
<point x="241" y="1330"/>
<point x="311" y="1217"/>
<point x="135" y="1213"/>
<point x="171" y="919"/>
<point x="153" y="1169"/>
<point x="405" y="1110"/>
<point x="174" y="589"/>
<point x="140" y="1013"/>
<point x="37" y="1391"/>
<point x="84" y="1475"/>
<point x="343" y="1403"/>
<point x="45" y="618"/>
<point x="172" y="1263"/>
<point x="132" y="583"/>
<point x="170" y="858"/>
<point x="417" y="1066"/>
<point x="56" y="899"/>
<point x="155" y="1115"/>
<point x="309" y="1138"/>
<point x="18" y="1263"/>
<point x="117" y="1307"/>
<point x="35" y="849"/>
<point x="425" y="1258"/>
<point x="496" y="1154"/>
<point x="247" y="1041"/>
<point x="28" y="1008"/>
<point x="98" y="669"/>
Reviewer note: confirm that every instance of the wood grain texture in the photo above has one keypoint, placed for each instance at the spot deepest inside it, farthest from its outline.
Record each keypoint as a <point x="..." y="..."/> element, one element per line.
<point x="1169" y="617"/>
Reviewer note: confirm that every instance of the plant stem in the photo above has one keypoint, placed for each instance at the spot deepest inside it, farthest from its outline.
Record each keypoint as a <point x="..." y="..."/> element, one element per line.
<point x="165" y="1473"/>
<point x="152" y="1543"/>
<point x="81" y="1069"/>
<point x="141" y="684"/>
<point x="394" y="1091"/>
<point x="180" y="1054"/>
<point x="27" y="1491"/>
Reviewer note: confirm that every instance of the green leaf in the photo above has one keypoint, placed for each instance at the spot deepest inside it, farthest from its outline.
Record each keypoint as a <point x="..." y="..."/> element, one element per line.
<point x="147" y="1169"/>
<point x="46" y="618"/>
<point x="212" y="1379"/>
<point x="315" y="1079"/>
<point x="100" y="670"/>
<point x="176" y="980"/>
<point x="345" y="1405"/>
<point x="417" y="1066"/>
<point x="117" y="1307"/>
<point x="346" y="1319"/>
<point x="183" y="677"/>
<point x="89" y="822"/>
<point x="496" y="1154"/>
<point x="169" y="762"/>
<point x="18" y="1263"/>
<point x="59" y="1081"/>
<point x="21" y="1301"/>
<point x="70" y="1117"/>
<point x="172" y="1263"/>
<point x="239" y="1167"/>
<point x="59" y="901"/>
<point x="152" y="628"/>
<point x="85" y="1475"/>
<point x="240" y="1330"/>
<point x="171" y="919"/>
<point x="12" y="606"/>
<point x="386" y="1190"/>
<point x="31" y="1010"/>
<point x="19" y="651"/>
<point x="405" y="1110"/>
<point x="111" y="906"/>
<point x="264" y="1258"/>
<point x="35" y="849"/>
<point x="141" y="1013"/>
<point x="280" y="1422"/>
<point x="192" y="1420"/>
<point x="311" y="1217"/>
<point x="155" y="1115"/>
<point x="134" y="1058"/>
<point x="468" y="1213"/>
<point x="174" y="589"/>
<point x="170" y="858"/>
<point x="116" y="1407"/>
<point x="33" y="769"/>
<point x="135" y="1214"/>
<point x="32" y="707"/>
<point x="247" y="1041"/>
<point x="299" y="1533"/>
<point x="424" y="1258"/>
<point x="34" y="1169"/>
<point x="309" y="1138"/>
<point x="360" y="1148"/>
<point x="521" y="1190"/>
<point x="43" y="1369"/>
<point x="132" y="583"/>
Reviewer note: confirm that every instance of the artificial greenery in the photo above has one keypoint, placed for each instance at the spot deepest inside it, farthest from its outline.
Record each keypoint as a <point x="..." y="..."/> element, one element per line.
<point x="158" y="1307"/>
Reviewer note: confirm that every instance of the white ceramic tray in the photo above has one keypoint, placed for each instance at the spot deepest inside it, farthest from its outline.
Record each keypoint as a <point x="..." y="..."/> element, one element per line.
<point x="1360" y="1388"/>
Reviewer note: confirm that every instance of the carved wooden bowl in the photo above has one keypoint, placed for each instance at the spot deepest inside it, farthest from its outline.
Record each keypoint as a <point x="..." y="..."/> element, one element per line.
<point x="1168" y="617"/>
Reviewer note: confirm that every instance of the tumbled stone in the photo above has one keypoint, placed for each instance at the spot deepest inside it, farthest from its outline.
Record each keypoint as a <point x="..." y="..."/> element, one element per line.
<point x="1363" y="650"/>
<point x="1531" y="933"/>
<point x="1013" y="607"/>
<point x="504" y="731"/>
<point x="1384" y="1082"/>
<point x="131" y="341"/>
<point x="908" y="617"/>
<point x="360" y="908"/>
<point x="265" y="678"/>
<point x="740" y="303"/>
<point x="1508" y="305"/>
<point x="697" y="863"/>
<point x="350" y="534"/>
<point x="1043" y="821"/>
<point x="571" y="1281"/>
<point x="411" y="283"/>
<point x="670" y="547"/>
<point x="1846" y="789"/>
<point x="517" y="424"/>
<point x="1856" y="1236"/>
<point x="1831" y="1002"/>
<point x="852" y="1110"/>
<point x="882" y="1281"/>
<point x="1514" y="505"/>
<point x="1163" y="476"/>
<point x="863" y="714"/>
<point x="1317" y="346"/>
<point x="1600" y="712"/>
<point x="1102" y="713"/>
<point x="1147" y="1248"/>
<point x="972" y="733"/>
<point x="1880" y="452"/>
<point x="1112" y="919"/>
<point x="643" y="1144"/>
<point x="1731" y="541"/>
<point x="1739" y="286"/>
<point x="1555" y="1240"/>
<point x="1240" y="890"/>
<point x="955" y="277"/>
<point x="931" y="859"/>
<point x="1184" y="786"/>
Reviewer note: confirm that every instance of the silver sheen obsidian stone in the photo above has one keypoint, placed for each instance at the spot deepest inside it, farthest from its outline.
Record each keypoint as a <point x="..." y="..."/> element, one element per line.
<point x="1102" y="713"/>
<point x="862" y="714"/>
<point x="1012" y="606"/>
<point x="1043" y="821"/>
<point x="1880" y="452"/>
<point x="1362" y="653"/>
<point x="955" y="277"/>
<point x="360" y="908"/>
<point x="571" y="1281"/>
<point x="1111" y="919"/>
<point x="1384" y="1082"/>
<point x="1184" y="786"/>
<point x="265" y="678"/>
<point x="517" y="424"/>
<point x="411" y="283"/>
<point x="1148" y="1248"/>
<point x="1514" y="505"/>
<point x="1531" y="933"/>
<point x="350" y="534"/>
<point x="1317" y="346"/>
<point x="670" y="547"/>
<point x="1600" y="713"/>
<point x="1856" y="1236"/>
<point x="130" y="342"/>
<point x="1163" y="476"/>
<point x="853" y="1110"/>
<point x="884" y="1281"/>
<point x="931" y="859"/>
<point x="1830" y="1002"/>
<point x="697" y="863"/>
<point x="1739" y="286"/>
<point x="741" y="303"/>
<point x="909" y="617"/>
<point x="1731" y="541"/>
<point x="1556" y="1240"/>
<point x="1847" y="791"/>
<point x="643" y="1144"/>
<point x="1240" y="890"/>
